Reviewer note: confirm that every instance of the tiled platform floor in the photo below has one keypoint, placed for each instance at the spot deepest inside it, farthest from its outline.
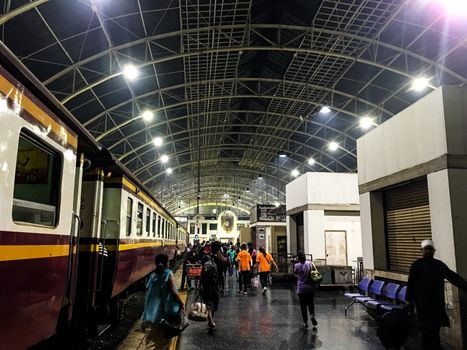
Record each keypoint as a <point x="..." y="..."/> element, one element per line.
<point x="272" y="322"/>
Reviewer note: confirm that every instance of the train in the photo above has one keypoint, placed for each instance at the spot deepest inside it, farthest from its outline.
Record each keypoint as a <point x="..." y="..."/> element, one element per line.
<point x="77" y="229"/>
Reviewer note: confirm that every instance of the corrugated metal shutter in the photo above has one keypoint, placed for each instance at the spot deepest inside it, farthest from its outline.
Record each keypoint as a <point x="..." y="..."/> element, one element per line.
<point x="407" y="215"/>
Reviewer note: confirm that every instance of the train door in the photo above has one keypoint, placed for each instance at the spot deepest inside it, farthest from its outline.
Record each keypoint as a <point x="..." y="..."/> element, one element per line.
<point x="336" y="248"/>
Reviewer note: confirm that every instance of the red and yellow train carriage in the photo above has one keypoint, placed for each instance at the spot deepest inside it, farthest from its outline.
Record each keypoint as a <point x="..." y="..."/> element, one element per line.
<point x="72" y="237"/>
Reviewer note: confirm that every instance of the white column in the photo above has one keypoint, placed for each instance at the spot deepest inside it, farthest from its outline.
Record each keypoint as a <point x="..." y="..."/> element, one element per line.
<point x="314" y="233"/>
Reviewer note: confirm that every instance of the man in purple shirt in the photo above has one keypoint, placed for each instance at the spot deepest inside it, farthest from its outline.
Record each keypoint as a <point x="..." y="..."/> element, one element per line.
<point x="306" y="288"/>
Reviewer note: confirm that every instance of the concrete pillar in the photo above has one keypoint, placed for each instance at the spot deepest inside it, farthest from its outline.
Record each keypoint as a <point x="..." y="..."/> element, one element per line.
<point x="373" y="234"/>
<point x="314" y="241"/>
<point x="291" y="235"/>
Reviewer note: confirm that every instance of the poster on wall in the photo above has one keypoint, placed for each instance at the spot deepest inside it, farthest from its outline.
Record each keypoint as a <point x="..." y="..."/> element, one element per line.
<point x="227" y="222"/>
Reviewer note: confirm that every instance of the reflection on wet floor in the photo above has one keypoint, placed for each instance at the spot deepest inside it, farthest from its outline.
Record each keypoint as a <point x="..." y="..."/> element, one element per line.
<point x="273" y="322"/>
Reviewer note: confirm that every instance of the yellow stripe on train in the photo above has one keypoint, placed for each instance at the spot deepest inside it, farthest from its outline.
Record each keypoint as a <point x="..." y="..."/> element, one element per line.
<point x="25" y="252"/>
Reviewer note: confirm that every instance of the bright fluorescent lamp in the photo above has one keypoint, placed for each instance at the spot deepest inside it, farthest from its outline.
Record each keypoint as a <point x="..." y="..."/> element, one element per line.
<point x="295" y="173"/>
<point x="130" y="72"/>
<point x="169" y="170"/>
<point x="282" y="155"/>
<point x="366" y="122"/>
<point x="214" y="211"/>
<point x="260" y="177"/>
<point x="157" y="141"/>
<point x="164" y="158"/>
<point x="311" y="161"/>
<point x="248" y="190"/>
<point x="455" y="7"/>
<point x="333" y="146"/>
<point x="277" y="204"/>
<point x="325" y="110"/>
<point x="420" y="83"/>
<point x="147" y="116"/>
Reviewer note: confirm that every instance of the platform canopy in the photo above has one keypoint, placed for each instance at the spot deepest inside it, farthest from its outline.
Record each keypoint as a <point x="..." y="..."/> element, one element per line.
<point x="258" y="91"/>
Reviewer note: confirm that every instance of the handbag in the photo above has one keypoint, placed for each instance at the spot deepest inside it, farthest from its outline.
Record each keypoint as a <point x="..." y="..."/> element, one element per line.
<point x="315" y="275"/>
<point x="173" y="326"/>
<point x="255" y="282"/>
<point x="198" y="311"/>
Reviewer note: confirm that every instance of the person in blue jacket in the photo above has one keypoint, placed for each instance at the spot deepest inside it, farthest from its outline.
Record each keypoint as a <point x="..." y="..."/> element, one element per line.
<point x="162" y="302"/>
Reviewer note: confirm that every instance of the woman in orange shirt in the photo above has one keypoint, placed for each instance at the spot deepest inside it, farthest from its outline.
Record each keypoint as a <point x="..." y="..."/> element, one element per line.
<point x="264" y="260"/>
<point x="244" y="264"/>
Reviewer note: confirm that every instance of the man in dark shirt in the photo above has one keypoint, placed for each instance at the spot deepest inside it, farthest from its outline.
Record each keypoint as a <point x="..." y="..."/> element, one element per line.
<point x="426" y="290"/>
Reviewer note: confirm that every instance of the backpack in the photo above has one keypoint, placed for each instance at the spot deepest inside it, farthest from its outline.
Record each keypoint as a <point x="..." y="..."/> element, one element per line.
<point x="210" y="277"/>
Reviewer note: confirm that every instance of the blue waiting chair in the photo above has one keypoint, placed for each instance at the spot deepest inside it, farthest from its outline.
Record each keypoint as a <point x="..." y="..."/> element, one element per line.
<point x="376" y="292"/>
<point x="389" y="293"/>
<point x="401" y="298"/>
<point x="363" y="288"/>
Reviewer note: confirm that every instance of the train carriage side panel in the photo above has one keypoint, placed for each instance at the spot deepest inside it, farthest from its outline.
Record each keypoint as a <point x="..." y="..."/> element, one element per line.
<point x="37" y="166"/>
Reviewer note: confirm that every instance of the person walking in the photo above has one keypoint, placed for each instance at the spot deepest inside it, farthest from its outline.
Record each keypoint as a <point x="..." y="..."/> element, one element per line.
<point x="209" y="288"/>
<point x="264" y="260"/>
<point x="161" y="302"/>
<point x="190" y="259"/>
<point x="244" y="267"/>
<point x="425" y="289"/>
<point x="306" y="288"/>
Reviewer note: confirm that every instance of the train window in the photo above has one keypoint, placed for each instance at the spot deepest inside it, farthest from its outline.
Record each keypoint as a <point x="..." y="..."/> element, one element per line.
<point x="139" y="219"/>
<point x="159" y="226"/>
<point x="148" y="221"/>
<point x="154" y="224"/>
<point x="37" y="182"/>
<point x="129" y="215"/>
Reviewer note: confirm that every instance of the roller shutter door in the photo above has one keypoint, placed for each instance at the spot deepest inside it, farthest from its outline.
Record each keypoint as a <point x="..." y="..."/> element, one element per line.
<point x="407" y="216"/>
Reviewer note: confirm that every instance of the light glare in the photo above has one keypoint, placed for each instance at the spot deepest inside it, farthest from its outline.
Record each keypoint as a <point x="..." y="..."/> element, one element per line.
<point x="164" y="158"/>
<point x="311" y="161"/>
<point x="420" y="84"/>
<point x="366" y="122"/>
<point x="169" y="170"/>
<point x="333" y="146"/>
<point x="157" y="141"/>
<point x="325" y="110"/>
<point x="147" y="115"/>
<point x="295" y="173"/>
<point x="130" y="72"/>
<point x="277" y="204"/>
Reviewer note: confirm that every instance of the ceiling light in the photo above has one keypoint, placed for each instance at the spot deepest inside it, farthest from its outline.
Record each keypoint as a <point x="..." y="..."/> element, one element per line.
<point x="333" y="146"/>
<point x="455" y="7"/>
<point x="164" y="158"/>
<point x="277" y="204"/>
<point x="226" y="195"/>
<point x="282" y="155"/>
<point x="295" y="173"/>
<point x="157" y="141"/>
<point x="420" y="83"/>
<point x="214" y="211"/>
<point x="248" y="190"/>
<point x="325" y="110"/>
<point x="130" y="72"/>
<point x="366" y="122"/>
<point x="169" y="170"/>
<point x="311" y="161"/>
<point x="147" y="116"/>
<point x="260" y="177"/>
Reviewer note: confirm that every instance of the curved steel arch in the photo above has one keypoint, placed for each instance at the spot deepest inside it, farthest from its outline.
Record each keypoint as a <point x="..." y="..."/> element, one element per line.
<point x="304" y="29"/>
<point x="240" y="171"/>
<point x="120" y="141"/>
<point x="20" y="10"/>
<point x="243" y="147"/>
<point x="213" y="98"/>
<point x="242" y="49"/>
<point x="237" y="133"/>
<point x="240" y="179"/>
<point x="205" y="204"/>
<point x="232" y="80"/>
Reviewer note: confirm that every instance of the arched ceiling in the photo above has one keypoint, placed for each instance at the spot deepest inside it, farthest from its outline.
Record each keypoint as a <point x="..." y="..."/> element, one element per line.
<point x="234" y="83"/>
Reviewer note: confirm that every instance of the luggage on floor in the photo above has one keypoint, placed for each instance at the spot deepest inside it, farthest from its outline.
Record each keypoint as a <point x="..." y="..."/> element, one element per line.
<point x="393" y="328"/>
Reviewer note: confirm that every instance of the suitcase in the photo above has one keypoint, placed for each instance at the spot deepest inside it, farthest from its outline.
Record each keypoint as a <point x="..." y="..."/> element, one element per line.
<point x="393" y="328"/>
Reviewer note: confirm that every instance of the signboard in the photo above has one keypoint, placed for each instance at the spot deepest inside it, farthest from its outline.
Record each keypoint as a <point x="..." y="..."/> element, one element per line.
<point x="269" y="213"/>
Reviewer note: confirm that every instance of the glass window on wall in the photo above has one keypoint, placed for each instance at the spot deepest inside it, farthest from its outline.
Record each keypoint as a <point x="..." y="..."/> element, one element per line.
<point x="129" y="215"/>
<point x="148" y="221"/>
<point x="139" y="219"/>
<point x="37" y="182"/>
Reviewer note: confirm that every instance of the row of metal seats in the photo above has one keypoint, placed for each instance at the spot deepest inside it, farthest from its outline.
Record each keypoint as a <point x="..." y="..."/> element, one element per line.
<point x="378" y="295"/>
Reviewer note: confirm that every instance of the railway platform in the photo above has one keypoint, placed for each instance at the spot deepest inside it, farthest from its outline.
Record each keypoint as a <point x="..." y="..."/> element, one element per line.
<point x="273" y="322"/>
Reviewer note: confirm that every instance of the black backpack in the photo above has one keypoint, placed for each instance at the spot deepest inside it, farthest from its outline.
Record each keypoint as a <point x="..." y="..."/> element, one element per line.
<point x="393" y="328"/>
<point x="210" y="277"/>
